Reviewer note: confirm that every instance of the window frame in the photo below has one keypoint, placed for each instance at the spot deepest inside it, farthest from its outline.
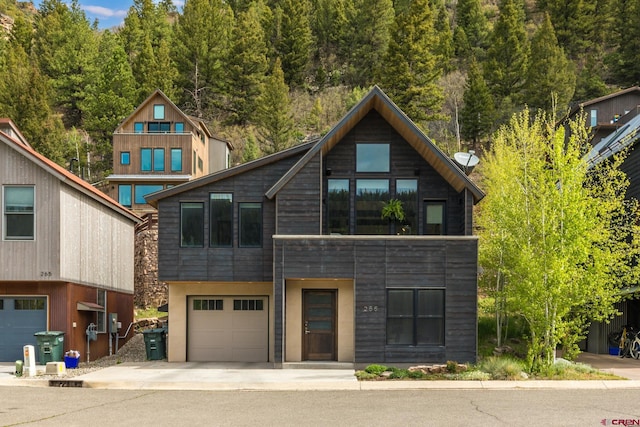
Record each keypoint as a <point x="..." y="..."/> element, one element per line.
<point x="374" y="217"/>
<point x="120" y="187"/>
<point x="101" y="316"/>
<point x="125" y="158"/>
<point x="158" y="111"/>
<point x="364" y="163"/>
<point x="335" y="214"/>
<point x="7" y="214"/>
<point x="174" y="157"/>
<point x="417" y="317"/>
<point x="146" y="159"/>
<point x="138" y="198"/>
<point x="179" y="127"/>
<point x="200" y="232"/>
<point x="214" y="222"/>
<point x="411" y="211"/>
<point x="443" y="224"/>
<point x="138" y="127"/>
<point x="242" y="233"/>
<point x="158" y="160"/>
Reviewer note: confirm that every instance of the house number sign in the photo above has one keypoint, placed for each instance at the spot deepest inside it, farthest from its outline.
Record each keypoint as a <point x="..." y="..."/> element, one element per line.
<point x="369" y="308"/>
<point x="45" y="274"/>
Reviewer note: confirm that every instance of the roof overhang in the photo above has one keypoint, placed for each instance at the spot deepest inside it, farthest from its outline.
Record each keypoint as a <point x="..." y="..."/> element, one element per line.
<point x="149" y="178"/>
<point x="89" y="306"/>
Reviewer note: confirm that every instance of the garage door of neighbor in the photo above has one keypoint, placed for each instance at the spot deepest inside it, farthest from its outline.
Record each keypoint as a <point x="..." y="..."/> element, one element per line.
<point x="20" y="318"/>
<point x="228" y="329"/>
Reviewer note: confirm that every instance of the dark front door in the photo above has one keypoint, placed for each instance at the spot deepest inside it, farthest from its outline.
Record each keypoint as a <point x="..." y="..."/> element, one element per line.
<point x="319" y="328"/>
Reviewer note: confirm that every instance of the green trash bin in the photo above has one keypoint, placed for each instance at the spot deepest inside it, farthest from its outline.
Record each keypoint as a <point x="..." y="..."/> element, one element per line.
<point x="154" y="342"/>
<point x="50" y="346"/>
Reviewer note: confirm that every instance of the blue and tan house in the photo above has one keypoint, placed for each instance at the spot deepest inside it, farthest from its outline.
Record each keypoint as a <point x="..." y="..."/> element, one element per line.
<point x="288" y="259"/>
<point x="158" y="146"/>
<point x="66" y="254"/>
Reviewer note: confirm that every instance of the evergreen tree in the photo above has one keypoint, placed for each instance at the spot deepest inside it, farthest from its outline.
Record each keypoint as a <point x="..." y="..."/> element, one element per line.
<point x="273" y="115"/>
<point x="365" y="39"/>
<point x="410" y="74"/>
<point x="589" y="83"/>
<point x="250" y="151"/>
<point x="294" y="41"/>
<point x="65" y="47"/>
<point x="625" y="41"/>
<point x="444" y="49"/>
<point x="203" y="34"/>
<point x="471" y="20"/>
<point x="247" y="66"/>
<point x="551" y="76"/>
<point x="478" y="112"/>
<point x="574" y="22"/>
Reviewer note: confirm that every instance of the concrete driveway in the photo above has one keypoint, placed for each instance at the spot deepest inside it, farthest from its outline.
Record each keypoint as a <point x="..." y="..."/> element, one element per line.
<point x="627" y="368"/>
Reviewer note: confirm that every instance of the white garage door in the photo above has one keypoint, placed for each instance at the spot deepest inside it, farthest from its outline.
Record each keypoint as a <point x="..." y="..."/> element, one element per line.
<point x="228" y="329"/>
<point x="20" y="318"/>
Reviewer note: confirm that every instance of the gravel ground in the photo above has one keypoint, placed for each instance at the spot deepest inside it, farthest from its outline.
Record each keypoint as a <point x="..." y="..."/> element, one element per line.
<point x="133" y="351"/>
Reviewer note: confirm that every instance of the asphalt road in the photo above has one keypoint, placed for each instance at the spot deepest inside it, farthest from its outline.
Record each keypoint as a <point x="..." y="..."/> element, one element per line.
<point x="26" y="406"/>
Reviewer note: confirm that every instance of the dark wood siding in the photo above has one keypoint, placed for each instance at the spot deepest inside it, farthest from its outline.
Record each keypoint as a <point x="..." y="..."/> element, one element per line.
<point x="631" y="167"/>
<point x="378" y="264"/>
<point x="299" y="202"/>
<point x="221" y="264"/>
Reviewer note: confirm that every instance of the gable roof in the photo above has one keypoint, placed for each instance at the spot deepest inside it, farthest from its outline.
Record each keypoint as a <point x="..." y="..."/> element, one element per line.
<point x="377" y="100"/>
<point x="9" y="128"/>
<point x="582" y="105"/>
<point x="153" y="198"/>
<point x="617" y="141"/>
<point x="67" y="177"/>
<point x="191" y="120"/>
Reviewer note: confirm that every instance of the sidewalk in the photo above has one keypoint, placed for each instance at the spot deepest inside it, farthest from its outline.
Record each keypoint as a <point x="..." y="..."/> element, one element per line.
<point x="161" y="375"/>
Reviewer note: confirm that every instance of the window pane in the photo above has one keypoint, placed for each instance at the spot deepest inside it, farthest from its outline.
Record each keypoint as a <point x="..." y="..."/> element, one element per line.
<point x="400" y="302"/>
<point x="158" y="159"/>
<point x="143" y="190"/>
<point x="407" y="193"/>
<point x="430" y="331"/>
<point x="124" y="195"/>
<point x="192" y="224"/>
<point x="145" y="159"/>
<point x="125" y="158"/>
<point x="19" y="218"/>
<point x="400" y="331"/>
<point x="158" y="112"/>
<point x="338" y="206"/>
<point x="594" y="118"/>
<point x="370" y="197"/>
<point x="176" y="159"/>
<point x="434" y="218"/>
<point x="179" y="127"/>
<point x="431" y="302"/>
<point x="138" y="127"/>
<point x="250" y="224"/>
<point x="221" y="208"/>
<point x="372" y="158"/>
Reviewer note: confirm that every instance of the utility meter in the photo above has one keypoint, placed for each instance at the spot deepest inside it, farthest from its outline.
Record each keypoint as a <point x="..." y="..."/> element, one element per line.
<point x="113" y="323"/>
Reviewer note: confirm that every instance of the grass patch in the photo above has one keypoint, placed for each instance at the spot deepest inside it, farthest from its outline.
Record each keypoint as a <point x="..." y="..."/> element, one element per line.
<point x="573" y="371"/>
<point x="503" y="368"/>
<point x="148" y="313"/>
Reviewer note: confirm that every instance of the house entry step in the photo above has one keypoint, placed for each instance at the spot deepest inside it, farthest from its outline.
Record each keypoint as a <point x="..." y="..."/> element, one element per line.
<point x="317" y="365"/>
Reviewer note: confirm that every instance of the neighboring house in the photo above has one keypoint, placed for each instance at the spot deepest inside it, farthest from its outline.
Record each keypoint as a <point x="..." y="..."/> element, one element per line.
<point x="608" y="113"/>
<point x="287" y="259"/>
<point x="158" y="147"/>
<point x="66" y="255"/>
<point x="624" y="138"/>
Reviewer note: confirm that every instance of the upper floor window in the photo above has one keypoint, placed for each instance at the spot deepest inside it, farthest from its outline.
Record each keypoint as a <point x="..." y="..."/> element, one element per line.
<point x="338" y="206"/>
<point x="125" y="158"/>
<point x="373" y="158"/>
<point x="250" y="225"/>
<point x="179" y="127"/>
<point x="145" y="159"/>
<point x="221" y="224"/>
<point x="158" y="112"/>
<point x="143" y="190"/>
<point x="370" y="197"/>
<point x="158" y="159"/>
<point x="138" y="127"/>
<point x="19" y="213"/>
<point x="159" y="127"/>
<point x="415" y="316"/>
<point x="124" y="195"/>
<point x="594" y="118"/>
<point x="434" y="217"/>
<point x="407" y="193"/>
<point x="200" y="163"/>
<point x="191" y="224"/>
<point x="176" y="159"/>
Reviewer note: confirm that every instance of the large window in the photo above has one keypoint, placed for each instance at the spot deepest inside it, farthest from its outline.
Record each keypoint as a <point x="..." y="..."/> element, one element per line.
<point x="372" y="158"/>
<point x="143" y="190"/>
<point x="159" y="127"/>
<point x="250" y="225"/>
<point x="19" y="213"/>
<point x="415" y="316"/>
<point x="407" y="193"/>
<point x="124" y="195"/>
<point x="191" y="225"/>
<point x="176" y="159"/>
<point x="158" y="159"/>
<point x="370" y="197"/>
<point x="434" y="217"/>
<point x="158" y="112"/>
<point x="145" y="159"/>
<point x="221" y="223"/>
<point x="338" y="206"/>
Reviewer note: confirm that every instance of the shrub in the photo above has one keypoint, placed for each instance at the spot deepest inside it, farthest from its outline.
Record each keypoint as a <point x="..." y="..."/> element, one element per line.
<point x="502" y="368"/>
<point x="376" y="369"/>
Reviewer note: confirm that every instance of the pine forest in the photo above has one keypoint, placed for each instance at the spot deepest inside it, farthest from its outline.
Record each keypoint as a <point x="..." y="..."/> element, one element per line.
<point x="268" y="74"/>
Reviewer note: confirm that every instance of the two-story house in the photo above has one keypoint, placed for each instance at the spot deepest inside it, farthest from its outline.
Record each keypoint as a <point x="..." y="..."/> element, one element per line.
<point x="66" y="255"/>
<point x="288" y="259"/>
<point x="157" y="147"/>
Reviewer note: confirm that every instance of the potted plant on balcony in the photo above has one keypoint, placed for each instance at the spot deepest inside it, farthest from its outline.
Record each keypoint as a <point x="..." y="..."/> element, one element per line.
<point x="393" y="211"/>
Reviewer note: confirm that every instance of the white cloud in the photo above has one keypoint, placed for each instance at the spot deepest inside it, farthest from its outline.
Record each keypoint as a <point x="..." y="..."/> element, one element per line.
<point x="104" y="12"/>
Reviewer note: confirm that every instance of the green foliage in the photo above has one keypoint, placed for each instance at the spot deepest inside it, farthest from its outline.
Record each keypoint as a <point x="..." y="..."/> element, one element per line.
<point x="502" y="368"/>
<point x="478" y="113"/>
<point x="393" y="210"/>
<point x="293" y="41"/>
<point x="557" y="238"/>
<point x="376" y="369"/>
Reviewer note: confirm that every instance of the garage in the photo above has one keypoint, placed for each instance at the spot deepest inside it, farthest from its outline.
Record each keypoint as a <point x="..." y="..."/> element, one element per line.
<point x="20" y="318"/>
<point x="228" y="329"/>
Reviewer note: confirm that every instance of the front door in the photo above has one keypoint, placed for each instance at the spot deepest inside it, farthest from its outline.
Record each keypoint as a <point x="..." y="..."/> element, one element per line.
<point x="319" y="328"/>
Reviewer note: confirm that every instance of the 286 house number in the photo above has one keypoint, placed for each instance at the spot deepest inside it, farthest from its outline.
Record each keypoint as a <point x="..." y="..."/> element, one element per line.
<point x="369" y="308"/>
